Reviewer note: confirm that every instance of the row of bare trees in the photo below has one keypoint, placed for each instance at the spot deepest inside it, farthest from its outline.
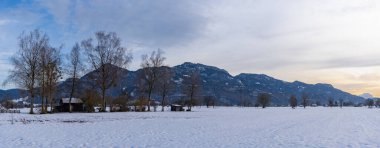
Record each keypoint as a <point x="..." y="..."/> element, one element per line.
<point x="293" y="101"/>
<point x="37" y="68"/>
<point x="156" y="77"/>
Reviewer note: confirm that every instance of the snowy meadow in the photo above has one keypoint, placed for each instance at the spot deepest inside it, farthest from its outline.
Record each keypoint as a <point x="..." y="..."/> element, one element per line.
<point x="204" y="127"/>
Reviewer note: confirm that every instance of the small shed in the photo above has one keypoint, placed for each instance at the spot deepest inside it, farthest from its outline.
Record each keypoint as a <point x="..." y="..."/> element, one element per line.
<point x="76" y="104"/>
<point x="176" y="107"/>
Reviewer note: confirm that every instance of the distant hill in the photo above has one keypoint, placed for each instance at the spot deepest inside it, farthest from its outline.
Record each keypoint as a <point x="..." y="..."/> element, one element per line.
<point x="11" y="94"/>
<point x="228" y="89"/>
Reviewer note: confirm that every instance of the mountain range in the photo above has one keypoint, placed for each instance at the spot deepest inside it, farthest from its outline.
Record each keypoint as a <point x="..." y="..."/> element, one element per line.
<point x="216" y="82"/>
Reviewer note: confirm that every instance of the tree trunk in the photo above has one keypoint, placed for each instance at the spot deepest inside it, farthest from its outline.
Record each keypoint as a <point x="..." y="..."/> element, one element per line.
<point x="46" y="104"/>
<point x="72" y="93"/>
<point x="42" y="105"/>
<point x="51" y="104"/>
<point x="43" y="93"/>
<point x="111" y="105"/>
<point x="191" y="103"/>
<point x="43" y="102"/>
<point x="162" y="102"/>
<point x="191" y="98"/>
<point x="104" y="100"/>
<point x="31" y="104"/>
<point x="150" y="92"/>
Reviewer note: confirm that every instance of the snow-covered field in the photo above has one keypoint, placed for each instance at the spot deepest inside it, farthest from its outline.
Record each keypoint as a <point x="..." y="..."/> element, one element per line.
<point x="219" y="127"/>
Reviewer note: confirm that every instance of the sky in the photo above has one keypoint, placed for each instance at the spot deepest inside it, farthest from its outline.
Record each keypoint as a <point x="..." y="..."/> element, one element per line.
<point x="314" y="41"/>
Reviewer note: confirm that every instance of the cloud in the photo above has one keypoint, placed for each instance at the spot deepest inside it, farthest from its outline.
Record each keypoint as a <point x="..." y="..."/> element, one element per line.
<point x="327" y="41"/>
<point x="351" y="62"/>
<point x="276" y="35"/>
<point x="258" y="35"/>
<point x="5" y="22"/>
<point x="160" y="23"/>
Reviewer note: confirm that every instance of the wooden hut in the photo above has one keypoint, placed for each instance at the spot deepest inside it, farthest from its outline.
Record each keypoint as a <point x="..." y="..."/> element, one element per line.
<point x="176" y="107"/>
<point x="76" y="104"/>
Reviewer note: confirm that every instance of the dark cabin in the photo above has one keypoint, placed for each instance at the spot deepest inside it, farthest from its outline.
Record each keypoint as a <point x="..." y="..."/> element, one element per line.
<point x="176" y="107"/>
<point x="76" y="104"/>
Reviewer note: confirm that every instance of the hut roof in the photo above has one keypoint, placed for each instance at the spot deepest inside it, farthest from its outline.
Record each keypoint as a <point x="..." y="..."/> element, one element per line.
<point x="73" y="100"/>
<point x="177" y="105"/>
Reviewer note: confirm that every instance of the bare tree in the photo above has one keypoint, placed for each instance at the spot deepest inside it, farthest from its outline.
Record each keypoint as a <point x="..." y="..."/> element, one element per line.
<point x="106" y="57"/>
<point x="121" y="103"/>
<point x="41" y="77"/>
<point x="331" y="102"/>
<point x="150" y="66"/>
<point x="192" y="86"/>
<point x="53" y="74"/>
<point x="7" y="97"/>
<point x="305" y="99"/>
<point x="263" y="99"/>
<point x="164" y="85"/>
<point x="209" y="101"/>
<point x="90" y="99"/>
<point x="7" y="104"/>
<point x="341" y="103"/>
<point x="74" y="68"/>
<point x="370" y="102"/>
<point x="377" y="103"/>
<point x="242" y="96"/>
<point x="141" y="101"/>
<point x="25" y="62"/>
<point x="293" y="101"/>
<point x="48" y="56"/>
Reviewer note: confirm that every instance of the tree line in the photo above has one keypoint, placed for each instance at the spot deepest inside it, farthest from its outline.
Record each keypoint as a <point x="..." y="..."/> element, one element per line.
<point x="38" y="67"/>
<point x="264" y="100"/>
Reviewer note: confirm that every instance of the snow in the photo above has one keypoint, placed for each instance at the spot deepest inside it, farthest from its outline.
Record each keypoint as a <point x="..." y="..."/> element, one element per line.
<point x="301" y="87"/>
<point x="73" y="100"/>
<point x="366" y="95"/>
<point x="219" y="127"/>
<point x="266" y="77"/>
<point x="179" y="81"/>
<point x="18" y="100"/>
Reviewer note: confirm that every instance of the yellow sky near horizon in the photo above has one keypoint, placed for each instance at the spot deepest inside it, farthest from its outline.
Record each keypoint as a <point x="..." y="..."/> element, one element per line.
<point x="353" y="80"/>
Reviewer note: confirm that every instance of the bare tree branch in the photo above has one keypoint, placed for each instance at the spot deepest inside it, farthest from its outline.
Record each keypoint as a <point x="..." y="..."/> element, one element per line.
<point x="150" y="67"/>
<point x="106" y="57"/>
